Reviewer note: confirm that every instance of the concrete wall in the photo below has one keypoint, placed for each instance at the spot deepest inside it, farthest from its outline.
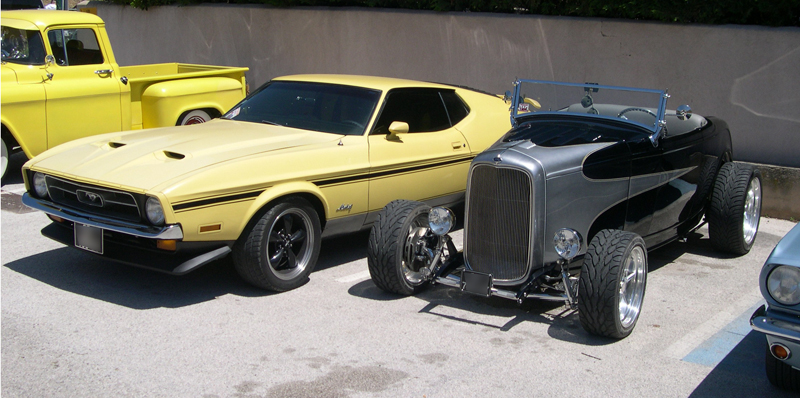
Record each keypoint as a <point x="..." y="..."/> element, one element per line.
<point x="749" y="76"/>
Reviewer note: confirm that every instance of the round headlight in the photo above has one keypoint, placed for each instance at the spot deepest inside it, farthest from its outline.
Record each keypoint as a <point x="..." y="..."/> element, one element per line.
<point x="441" y="220"/>
<point x="39" y="186"/>
<point x="567" y="243"/>
<point x="783" y="284"/>
<point x="155" y="213"/>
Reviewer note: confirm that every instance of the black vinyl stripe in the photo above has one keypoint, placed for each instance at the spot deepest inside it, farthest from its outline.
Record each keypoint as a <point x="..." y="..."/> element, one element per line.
<point x="206" y="202"/>
<point x="390" y="172"/>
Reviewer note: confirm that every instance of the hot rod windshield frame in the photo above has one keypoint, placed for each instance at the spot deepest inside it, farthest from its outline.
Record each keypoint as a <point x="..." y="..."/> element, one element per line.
<point x="641" y="107"/>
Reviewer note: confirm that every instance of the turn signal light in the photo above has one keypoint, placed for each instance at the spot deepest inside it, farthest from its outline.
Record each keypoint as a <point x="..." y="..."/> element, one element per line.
<point x="55" y="218"/>
<point x="780" y="351"/>
<point x="169" y="244"/>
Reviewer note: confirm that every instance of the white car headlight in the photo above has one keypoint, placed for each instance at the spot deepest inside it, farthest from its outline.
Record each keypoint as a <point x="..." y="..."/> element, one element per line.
<point x="441" y="220"/>
<point x="783" y="284"/>
<point x="567" y="243"/>
<point x="155" y="213"/>
<point x="39" y="185"/>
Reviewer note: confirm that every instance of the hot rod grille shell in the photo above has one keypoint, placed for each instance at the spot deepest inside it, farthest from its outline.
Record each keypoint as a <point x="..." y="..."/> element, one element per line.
<point x="498" y="227"/>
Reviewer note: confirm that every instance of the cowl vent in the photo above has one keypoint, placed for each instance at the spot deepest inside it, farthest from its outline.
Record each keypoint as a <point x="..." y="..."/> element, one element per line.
<point x="174" y="155"/>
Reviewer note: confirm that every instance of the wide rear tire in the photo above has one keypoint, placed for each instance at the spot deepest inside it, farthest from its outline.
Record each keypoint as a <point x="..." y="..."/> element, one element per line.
<point x="735" y="209"/>
<point x="387" y="256"/>
<point x="612" y="283"/>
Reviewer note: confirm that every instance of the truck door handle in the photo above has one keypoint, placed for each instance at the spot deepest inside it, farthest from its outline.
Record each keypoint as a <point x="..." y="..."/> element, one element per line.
<point x="103" y="71"/>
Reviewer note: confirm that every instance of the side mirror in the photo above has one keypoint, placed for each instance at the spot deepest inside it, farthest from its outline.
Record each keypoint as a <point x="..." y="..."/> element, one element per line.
<point x="683" y="112"/>
<point x="397" y="128"/>
<point x="50" y="60"/>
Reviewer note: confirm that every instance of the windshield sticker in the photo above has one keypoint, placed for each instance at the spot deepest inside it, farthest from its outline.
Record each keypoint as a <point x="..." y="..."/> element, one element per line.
<point x="232" y="114"/>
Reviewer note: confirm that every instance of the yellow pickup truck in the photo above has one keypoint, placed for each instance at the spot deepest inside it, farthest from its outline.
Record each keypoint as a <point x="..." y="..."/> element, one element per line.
<point x="60" y="81"/>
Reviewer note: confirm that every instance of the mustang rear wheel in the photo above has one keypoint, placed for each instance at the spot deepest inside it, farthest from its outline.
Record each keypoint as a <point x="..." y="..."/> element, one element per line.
<point x="612" y="283"/>
<point x="280" y="250"/>
<point x="393" y="240"/>
<point x="735" y="208"/>
<point x="781" y="374"/>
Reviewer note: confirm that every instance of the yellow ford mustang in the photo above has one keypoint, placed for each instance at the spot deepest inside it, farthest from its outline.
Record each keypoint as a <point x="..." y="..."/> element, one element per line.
<point x="302" y="158"/>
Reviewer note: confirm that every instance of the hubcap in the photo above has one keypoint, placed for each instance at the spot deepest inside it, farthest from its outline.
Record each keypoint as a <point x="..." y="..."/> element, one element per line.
<point x="631" y="287"/>
<point x="752" y="210"/>
<point x="290" y="244"/>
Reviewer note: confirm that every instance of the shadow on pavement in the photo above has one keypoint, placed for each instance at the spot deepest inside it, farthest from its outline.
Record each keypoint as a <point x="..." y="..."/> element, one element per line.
<point x="91" y="276"/>
<point x="741" y="373"/>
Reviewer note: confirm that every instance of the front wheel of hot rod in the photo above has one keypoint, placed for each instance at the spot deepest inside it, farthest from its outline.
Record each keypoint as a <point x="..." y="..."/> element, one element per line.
<point x="392" y="264"/>
<point x="735" y="208"/>
<point x="280" y="250"/>
<point x="612" y="283"/>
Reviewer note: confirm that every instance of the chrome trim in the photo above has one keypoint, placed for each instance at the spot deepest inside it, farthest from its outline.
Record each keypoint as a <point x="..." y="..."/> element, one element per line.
<point x="455" y="282"/>
<point x="173" y="231"/>
<point x="776" y="324"/>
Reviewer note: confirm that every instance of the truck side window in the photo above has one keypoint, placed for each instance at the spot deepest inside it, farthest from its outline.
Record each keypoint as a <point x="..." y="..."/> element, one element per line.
<point x="421" y="108"/>
<point x="75" y="47"/>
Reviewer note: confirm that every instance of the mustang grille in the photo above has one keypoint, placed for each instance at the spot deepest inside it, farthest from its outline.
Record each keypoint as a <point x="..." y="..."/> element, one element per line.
<point x="498" y="230"/>
<point x="93" y="200"/>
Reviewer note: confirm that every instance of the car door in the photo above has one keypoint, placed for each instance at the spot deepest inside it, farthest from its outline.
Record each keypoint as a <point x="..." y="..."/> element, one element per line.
<point x="83" y="97"/>
<point x="430" y="162"/>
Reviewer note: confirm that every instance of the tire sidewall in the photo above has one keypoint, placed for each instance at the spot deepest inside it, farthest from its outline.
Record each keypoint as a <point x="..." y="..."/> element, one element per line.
<point x="420" y="210"/>
<point x="196" y="116"/>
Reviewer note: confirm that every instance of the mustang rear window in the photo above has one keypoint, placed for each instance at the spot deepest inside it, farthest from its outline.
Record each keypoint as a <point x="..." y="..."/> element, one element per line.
<point x="328" y="108"/>
<point x="560" y="132"/>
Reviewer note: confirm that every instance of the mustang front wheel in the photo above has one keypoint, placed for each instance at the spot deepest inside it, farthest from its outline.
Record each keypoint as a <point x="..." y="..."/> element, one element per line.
<point x="280" y="250"/>
<point x="392" y="251"/>
<point x="612" y="283"/>
<point x="735" y="208"/>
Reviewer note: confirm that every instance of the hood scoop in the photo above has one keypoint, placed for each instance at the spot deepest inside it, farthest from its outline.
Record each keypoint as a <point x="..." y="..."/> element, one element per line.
<point x="174" y="155"/>
<point x="116" y="144"/>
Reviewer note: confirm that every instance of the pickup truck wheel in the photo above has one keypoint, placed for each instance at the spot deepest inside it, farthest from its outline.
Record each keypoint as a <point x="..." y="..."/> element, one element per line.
<point x="781" y="374"/>
<point x="194" y="117"/>
<point x="735" y="208"/>
<point x="4" y="161"/>
<point x="281" y="249"/>
<point x="612" y="283"/>
<point x="390" y="258"/>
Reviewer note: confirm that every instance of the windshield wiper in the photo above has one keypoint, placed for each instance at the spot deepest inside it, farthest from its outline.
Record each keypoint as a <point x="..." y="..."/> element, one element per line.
<point x="271" y="122"/>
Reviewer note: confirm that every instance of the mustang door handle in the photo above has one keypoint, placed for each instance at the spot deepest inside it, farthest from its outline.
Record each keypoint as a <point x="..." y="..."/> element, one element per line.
<point x="103" y="71"/>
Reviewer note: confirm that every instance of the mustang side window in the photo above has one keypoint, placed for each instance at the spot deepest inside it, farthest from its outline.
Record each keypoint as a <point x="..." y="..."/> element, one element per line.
<point x="422" y="108"/>
<point x="75" y="47"/>
<point x="22" y="46"/>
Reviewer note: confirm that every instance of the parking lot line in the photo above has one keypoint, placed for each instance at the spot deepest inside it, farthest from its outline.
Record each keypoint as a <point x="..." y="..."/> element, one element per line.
<point x="681" y="348"/>
<point x="712" y="351"/>
<point x="354" y="277"/>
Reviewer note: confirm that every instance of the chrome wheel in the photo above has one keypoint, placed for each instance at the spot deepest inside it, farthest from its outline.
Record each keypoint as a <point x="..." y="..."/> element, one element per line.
<point x="752" y="211"/>
<point x="289" y="244"/>
<point x="631" y="287"/>
<point x="414" y="268"/>
<point x="4" y="161"/>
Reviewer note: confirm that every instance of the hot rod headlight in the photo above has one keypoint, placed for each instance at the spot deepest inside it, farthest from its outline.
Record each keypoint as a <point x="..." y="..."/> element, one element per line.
<point x="783" y="284"/>
<point x="440" y="220"/>
<point x="567" y="243"/>
<point x="155" y="213"/>
<point x="39" y="185"/>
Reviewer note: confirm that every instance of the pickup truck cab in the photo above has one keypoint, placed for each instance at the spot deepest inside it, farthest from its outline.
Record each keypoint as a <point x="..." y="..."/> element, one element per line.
<point x="60" y="81"/>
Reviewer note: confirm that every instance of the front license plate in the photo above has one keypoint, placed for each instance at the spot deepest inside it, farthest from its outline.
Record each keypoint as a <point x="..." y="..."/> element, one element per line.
<point x="476" y="283"/>
<point x="89" y="238"/>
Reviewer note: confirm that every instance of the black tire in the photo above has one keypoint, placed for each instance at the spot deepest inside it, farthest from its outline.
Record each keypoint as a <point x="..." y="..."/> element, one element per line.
<point x="735" y="209"/>
<point x="261" y="256"/>
<point x="387" y="243"/>
<point x="614" y="272"/>
<point x="780" y="374"/>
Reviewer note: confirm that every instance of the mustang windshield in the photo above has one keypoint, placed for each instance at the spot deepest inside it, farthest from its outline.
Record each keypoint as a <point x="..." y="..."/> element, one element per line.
<point x="642" y="107"/>
<point x="328" y="108"/>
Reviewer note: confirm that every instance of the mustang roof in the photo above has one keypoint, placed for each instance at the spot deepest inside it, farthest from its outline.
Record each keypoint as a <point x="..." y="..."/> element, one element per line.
<point x="373" y="82"/>
<point x="44" y="18"/>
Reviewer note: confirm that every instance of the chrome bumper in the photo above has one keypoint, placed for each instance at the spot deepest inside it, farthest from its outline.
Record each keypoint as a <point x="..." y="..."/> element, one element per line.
<point x="777" y="324"/>
<point x="142" y="231"/>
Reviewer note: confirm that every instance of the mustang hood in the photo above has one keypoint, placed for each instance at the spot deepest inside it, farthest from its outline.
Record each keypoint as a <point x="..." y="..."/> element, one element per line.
<point x="147" y="158"/>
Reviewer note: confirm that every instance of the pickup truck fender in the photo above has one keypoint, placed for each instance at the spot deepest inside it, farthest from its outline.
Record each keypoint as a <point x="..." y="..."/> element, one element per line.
<point x="164" y="103"/>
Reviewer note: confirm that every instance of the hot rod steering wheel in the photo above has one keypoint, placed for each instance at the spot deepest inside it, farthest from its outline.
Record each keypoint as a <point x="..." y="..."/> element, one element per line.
<point x="626" y="110"/>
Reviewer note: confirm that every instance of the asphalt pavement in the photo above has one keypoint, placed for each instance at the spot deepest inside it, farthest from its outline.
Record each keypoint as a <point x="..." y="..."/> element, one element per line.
<point x="75" y="325"/>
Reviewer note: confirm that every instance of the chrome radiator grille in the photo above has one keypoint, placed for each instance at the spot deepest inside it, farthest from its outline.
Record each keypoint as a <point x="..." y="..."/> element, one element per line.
<point x="498" y="229"/>
<point x="93" y="200"/>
